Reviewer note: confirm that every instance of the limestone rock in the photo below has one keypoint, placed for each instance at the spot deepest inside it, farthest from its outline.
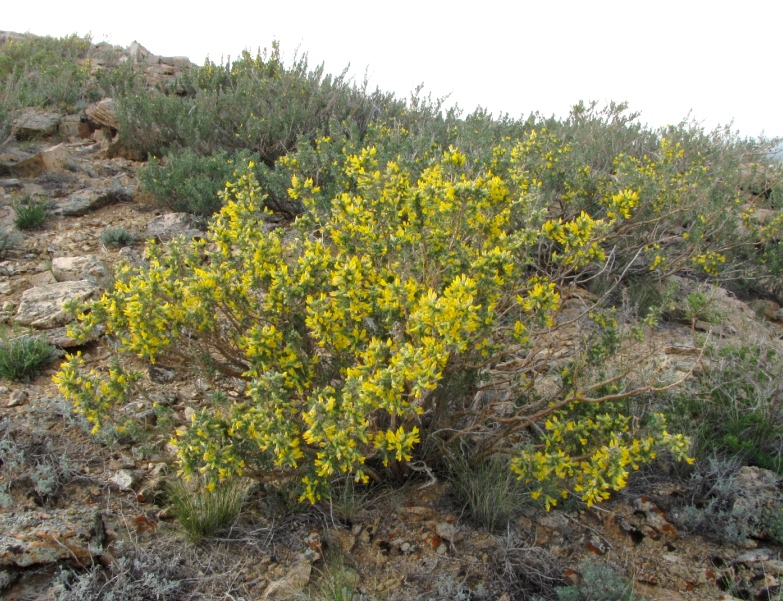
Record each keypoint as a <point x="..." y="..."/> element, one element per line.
<point x="103" y="113"/>
<point x="138" y="53"/>
<point x="124" y="479"/>
<point x="180" y="62"/>
<point x="11" y="184"/>
<point x="344" y="538"/>
<point x="292" y="584"/>
<point x="73" y="269"/>
<point x="82" y="202"/>
<point x="42" y="307"/>
<point x="766" y="309"/>
<point x="654" y="518"/>
<point x="59" y="337"/>
<point x="168" y="226"/>
<point x="104" y="137"/>
<point x="35" y="538"/>
<point x="55" y="158"/>
<point x="72" y="127"/>
<point x="18" y="398"/>
<point x="34" y="123"/>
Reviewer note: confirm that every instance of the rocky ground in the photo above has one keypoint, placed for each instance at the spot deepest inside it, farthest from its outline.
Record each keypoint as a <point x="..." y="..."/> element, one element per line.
<point x="85" y="517"/>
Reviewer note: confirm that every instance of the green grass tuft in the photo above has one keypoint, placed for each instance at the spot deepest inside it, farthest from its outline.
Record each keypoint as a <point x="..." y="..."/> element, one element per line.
<point x="201" y="511"/>
<point x="22" y="358"/>
<point x="30" y="213"/>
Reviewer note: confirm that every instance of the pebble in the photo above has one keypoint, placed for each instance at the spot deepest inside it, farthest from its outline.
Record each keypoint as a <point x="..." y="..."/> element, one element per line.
<point x="18" y="398"/>
<point x="124" y="479"/>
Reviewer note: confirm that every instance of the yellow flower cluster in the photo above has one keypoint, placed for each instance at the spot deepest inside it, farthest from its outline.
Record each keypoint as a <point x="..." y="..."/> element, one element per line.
<point x="710" y="261"/>
<point x="578" y="239"/>
<point x="590" y="451"/>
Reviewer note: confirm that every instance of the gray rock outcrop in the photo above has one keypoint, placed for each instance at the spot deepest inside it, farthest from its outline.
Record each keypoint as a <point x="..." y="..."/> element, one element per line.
<point x="42" y="307"/>
<point x="168" y="226"/>
<point x="73" y="269"/>
<point x="35" y="123"/>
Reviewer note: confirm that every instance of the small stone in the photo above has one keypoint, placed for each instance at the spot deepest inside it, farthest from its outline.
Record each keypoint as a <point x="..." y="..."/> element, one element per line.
<point x="754" y="556"/>
<point x="571" y="576"/>
<point x="292" y="584"/>
<point x="446" y="531"/>
<point x="124" y="479"/>
<point x="80" y="203"/>
<point x="344" y="539"/>
<point x="126" y="463"/>
<point x="171" y="225"/>
<point x="160" y="375"/>
<point x="59" y="336"/>
<point x="417" y="514"/>
<point x="165" y="514"/>
<point x="18" y="398"/>
<point x="671" y="558"/>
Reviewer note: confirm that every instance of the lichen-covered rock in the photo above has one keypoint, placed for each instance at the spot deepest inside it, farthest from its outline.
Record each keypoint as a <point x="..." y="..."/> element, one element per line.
<point x="82" y="202"/>
<point x="55" y="158"/>
<point x="42" y="307"/>
<point x="293" y="583"/>
<point x="59" y="337"/>
<point x="73" y="269"/>
<point x="168" y="226"/>
<point x="45" y="537"/>
<point x="34" y="123"/>
<point x="103" y="114"/>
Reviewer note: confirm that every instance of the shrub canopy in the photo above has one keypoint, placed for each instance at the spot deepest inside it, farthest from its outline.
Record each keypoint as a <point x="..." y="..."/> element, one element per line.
<point x="369" y="327"/>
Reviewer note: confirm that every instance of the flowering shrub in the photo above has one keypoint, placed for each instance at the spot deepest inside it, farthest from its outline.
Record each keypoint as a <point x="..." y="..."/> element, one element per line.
<point x="417" y="306"/>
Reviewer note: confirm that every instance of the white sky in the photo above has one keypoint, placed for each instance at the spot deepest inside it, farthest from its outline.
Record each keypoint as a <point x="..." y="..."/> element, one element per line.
<point x="719" y="61"/>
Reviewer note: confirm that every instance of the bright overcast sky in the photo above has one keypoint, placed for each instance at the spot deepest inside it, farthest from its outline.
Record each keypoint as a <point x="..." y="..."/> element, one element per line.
<point x="719" y="61"/>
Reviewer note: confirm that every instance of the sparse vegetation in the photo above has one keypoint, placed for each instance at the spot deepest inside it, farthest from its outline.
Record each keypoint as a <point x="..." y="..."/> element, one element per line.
<point x="202" y="508"/>
<point x="8" y="239"/>
<point x="31" y="461"/>
<point x="336" y="581"/>
<point x="733" y="407"/>
<point x="720" y="508"/>
<point x="42" y="72"/>
<point x="391" y="290"/>
<point x="598" y="582"/>
<point x="117" y="237"/>
<point x="490" y="491"/>
<point x="22" y="356"/>
<point x="30" y="212"/>
<point x="138" y="575"/>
